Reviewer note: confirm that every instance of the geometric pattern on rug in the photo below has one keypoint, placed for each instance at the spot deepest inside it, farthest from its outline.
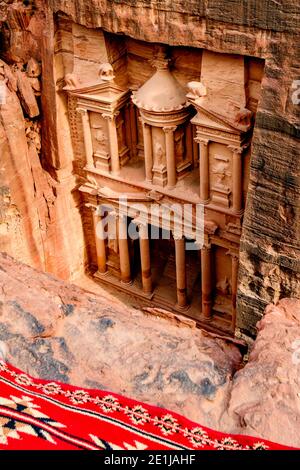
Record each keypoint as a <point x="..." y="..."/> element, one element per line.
<point x="43" y="415"/>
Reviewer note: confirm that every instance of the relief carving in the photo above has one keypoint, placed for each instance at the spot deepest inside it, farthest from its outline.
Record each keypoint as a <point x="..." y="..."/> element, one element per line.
<point x="106" y="72"/>
<point x="180" y="146"/>
<point x="221" y="170"/>
<point x="196" y="90"/>
<point x="160" y="155"/>
<point x="223" y="287"/>
<point x="72" y="82"/>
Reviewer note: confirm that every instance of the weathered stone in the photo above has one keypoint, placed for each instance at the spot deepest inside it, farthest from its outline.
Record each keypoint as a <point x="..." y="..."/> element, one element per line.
<point x="27" y="96"/>
<point x="57" y="331"/>
<point x="265" y="394"/>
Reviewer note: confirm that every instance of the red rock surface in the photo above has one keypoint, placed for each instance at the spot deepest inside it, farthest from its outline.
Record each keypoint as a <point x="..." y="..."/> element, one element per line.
<point x="266" y="393"/>
<point x="57" y="331"/>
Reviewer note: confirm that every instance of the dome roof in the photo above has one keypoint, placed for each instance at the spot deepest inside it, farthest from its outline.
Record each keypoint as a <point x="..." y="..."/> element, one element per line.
<point x="162" y="92"/>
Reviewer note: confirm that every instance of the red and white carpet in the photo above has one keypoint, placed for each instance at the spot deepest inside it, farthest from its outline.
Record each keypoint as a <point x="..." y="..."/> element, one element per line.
<point x="39" y="415"/>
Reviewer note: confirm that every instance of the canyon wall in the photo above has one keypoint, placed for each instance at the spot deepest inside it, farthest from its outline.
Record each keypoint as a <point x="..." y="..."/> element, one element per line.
<point x="40" y="221"/>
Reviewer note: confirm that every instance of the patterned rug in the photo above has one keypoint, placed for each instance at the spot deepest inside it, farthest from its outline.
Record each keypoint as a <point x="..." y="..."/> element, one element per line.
<point x="40" y="415"/>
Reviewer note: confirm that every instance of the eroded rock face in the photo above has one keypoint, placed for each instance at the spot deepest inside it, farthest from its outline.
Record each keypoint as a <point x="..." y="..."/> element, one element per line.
<point x="265" y="394"/>
<point x="59" y="332"/>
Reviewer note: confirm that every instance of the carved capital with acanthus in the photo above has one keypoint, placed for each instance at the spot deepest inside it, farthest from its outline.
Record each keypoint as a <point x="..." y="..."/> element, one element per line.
<point x="110" y="117"/>
<point x="238" y="150"/>
<point x="93" y="207"/>
<point x="202" y="141"/>
<point x="178" y="236"/>
<point x="143" y="123"/>
<point x="234" y="255"/>
<point x="82" y="111"/>
<point x="206" y="245"/>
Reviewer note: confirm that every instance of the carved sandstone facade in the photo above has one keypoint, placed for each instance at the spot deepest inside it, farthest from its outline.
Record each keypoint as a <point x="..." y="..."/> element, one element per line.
<point x="170" y="143"/>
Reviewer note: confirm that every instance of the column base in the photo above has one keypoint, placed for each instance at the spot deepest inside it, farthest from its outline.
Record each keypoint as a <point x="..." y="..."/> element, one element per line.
<point x="100" y="274"/>
<point x="127" y="283"/>
<point x="205" y="202"/>
<point x="103" y="274"/>
<point x="207" y="319"/>
<point x="183" y="308"/>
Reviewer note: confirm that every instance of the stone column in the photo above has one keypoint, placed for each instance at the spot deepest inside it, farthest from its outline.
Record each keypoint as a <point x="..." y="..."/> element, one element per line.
<point x="181" y="272"/>
<point x="113" y="143"/>
<point x="145" y="258"/>
<point x="134" y="128"/>
<point x="237" y="180"/>
<point x="128" y="128"/>
<point x="147" y="135"/>
<point x="234" y="284"/>
<point x="204" y="170"/>
<point x="189" y="141"/>
<point x="170" y="156"/>
<point x="100" y="243"/>
<point x="206" y="280"/>
<point x="124" y="251"/>
<point x="87" y="137"/>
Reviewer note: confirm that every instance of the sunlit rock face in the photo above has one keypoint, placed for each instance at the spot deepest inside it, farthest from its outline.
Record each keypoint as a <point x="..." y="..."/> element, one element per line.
<point x="265" y="394"/>
<point x="40" y="208"/>
<point x="57" y="331"/>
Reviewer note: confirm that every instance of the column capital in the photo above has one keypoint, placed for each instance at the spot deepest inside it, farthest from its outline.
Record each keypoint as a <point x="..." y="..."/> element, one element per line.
<point x="143" y="229"/>
<point x="82" y="111"/>
<point x="93" y="207"/>
<point x="233" y="254"/>
<point x="143" y="122"/>
<point x="110" y="117"/>
<point x="140" y="223"/>
<point x="202" y="141"/>
<point x="178" y="236"/>
<point x="169" y="129"/>
<point x="206" y="246"/>
<point x="238" y="150"/>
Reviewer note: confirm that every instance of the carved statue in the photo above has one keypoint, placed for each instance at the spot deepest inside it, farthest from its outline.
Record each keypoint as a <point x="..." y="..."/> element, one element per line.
<point x="221" y="171"/>
<point x="241" y="116"/>
<point x="72" y="82"/>
<point x="179" y="146"/>
<point x="100" y="137"/>
<point x="196" y="90"/>
<point x="106" y="72"/>
<point x="159" y="154"/>
<point x="224" y="286"/>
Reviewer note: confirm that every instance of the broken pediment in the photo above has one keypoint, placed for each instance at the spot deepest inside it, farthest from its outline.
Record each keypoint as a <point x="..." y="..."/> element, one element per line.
<point x="232" y="119"/>
<point x="104" y="92"/>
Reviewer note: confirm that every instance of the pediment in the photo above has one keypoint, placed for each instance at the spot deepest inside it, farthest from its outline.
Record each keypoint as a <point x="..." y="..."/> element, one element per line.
<point x="208" y="118"/>
<point x="105" y="91"/>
